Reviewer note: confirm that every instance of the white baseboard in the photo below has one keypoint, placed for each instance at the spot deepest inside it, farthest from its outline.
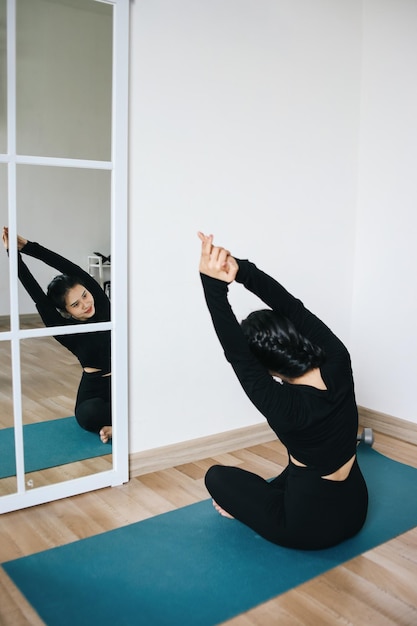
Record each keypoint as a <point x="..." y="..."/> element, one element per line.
<point x="196" y="449"/>
<point x="388" y="425"/>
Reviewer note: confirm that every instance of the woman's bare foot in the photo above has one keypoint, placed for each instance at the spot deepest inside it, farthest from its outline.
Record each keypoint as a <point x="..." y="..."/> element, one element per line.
<point x="105" y="434"/>
<point x="222" y="511"/>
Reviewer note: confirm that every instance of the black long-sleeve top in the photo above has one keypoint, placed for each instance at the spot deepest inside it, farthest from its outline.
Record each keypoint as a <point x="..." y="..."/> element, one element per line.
<point x="91" y="349"/>
<point x="318" y="427"/>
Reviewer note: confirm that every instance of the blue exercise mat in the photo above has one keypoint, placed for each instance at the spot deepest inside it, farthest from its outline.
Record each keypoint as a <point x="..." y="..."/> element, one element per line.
<point x="192" y="567"/>
<point x="48" y="444"/>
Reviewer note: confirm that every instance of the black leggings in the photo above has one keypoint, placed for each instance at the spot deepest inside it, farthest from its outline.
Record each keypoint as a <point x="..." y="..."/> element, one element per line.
<point x="298" y="509"/>
<point x="93" y="404"/>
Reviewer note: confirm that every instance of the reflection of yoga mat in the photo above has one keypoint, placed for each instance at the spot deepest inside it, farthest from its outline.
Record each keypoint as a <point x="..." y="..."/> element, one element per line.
<point x="191" y="567"/>
<point x="48" y="444"/>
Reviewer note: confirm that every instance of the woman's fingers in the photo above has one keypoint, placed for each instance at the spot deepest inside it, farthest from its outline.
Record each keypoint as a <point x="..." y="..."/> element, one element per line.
<point x="217" y="257"/>
<point x="206" y="244"/>
<point x="208" y="248"/>
<point x="5" y="237"/>
<point x="221" y="258"/>
<point x="204" y="238"/>
<point x="215" y="261"/>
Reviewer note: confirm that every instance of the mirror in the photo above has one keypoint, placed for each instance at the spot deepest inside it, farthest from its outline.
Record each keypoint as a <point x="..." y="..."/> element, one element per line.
<point x="59" y="190"/>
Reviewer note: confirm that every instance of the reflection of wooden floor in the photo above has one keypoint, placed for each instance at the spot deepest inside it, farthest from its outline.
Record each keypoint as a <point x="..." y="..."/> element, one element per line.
<point x="378" y="587"/>
<point x="50" y="377"/>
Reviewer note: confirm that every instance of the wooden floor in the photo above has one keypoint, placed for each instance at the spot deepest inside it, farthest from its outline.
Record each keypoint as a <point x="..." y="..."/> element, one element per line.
<point x="379" y="587"/>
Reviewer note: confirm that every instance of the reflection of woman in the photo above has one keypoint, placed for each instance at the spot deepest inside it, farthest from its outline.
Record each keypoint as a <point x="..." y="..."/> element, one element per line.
<point x="75" y="298"/>
<point x="321" y="498"/>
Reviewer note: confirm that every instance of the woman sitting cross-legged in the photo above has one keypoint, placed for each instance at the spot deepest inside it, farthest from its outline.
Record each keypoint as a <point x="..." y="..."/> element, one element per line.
<point x="320" y="499"/>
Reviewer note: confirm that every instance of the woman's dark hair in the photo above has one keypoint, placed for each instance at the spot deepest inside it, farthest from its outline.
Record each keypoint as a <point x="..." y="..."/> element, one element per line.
<point x="59" y="287"/>
<point x="277" y="344"/>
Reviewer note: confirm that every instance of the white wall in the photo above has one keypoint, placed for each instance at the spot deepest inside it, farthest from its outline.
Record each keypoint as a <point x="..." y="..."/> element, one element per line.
<point x="384" y="343"/>
<point x="287" y="129"/>
<point x="244" y="121"/>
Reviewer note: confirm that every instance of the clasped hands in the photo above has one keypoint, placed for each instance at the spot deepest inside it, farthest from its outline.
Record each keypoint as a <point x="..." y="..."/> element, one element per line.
<point x="21" y="242"/>
<point x="215" y="261"/>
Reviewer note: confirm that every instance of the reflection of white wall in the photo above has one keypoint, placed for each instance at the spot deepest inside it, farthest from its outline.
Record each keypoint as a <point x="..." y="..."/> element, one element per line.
<point x="245" y="121"/>
<point x="3" y="79"/>
<point x="63" y="109"/>
<point x="65" y="210"/>
<point x="63" y="78"/>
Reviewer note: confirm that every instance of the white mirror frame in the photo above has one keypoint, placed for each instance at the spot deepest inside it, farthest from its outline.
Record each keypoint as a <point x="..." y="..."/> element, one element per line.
<point x="118" y="167"/>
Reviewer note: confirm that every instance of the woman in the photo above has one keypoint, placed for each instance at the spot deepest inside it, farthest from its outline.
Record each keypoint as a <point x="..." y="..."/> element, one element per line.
<point x="75" y="298"/>
<point x="321" y="498"/>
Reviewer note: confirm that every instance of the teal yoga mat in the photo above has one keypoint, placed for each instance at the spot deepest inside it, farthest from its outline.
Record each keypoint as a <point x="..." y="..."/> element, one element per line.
<point x="48" y="444"/>
<point x="192" y="567"/>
